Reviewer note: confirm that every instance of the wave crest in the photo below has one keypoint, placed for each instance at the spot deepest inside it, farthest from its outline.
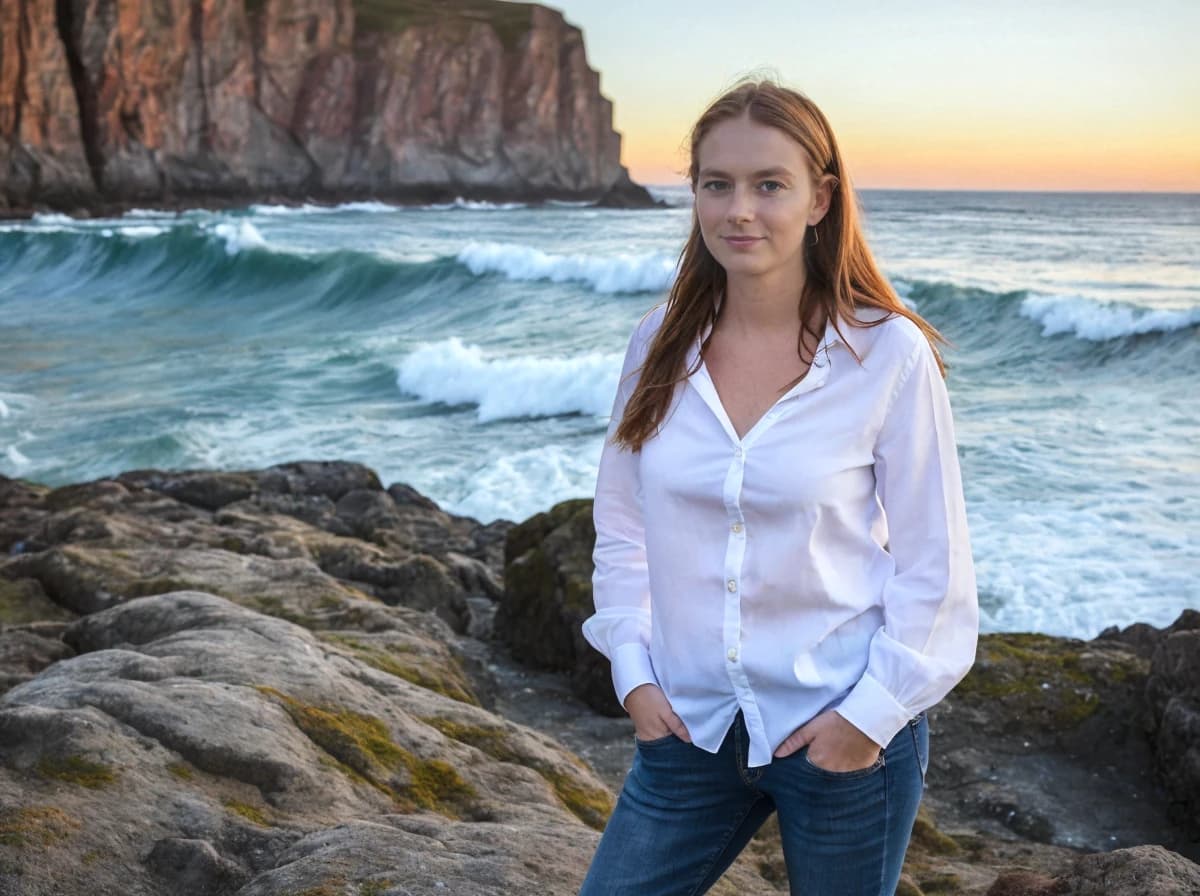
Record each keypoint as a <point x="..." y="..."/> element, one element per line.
<point x="648" y="272"/>
<point x="452" y="373"/>
<point x="1100" y="321"/>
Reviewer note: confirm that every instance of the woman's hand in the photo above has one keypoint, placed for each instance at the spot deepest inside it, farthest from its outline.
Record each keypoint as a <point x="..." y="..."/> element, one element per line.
<point x="652" y="715"/>
<point x="833" y="744"/>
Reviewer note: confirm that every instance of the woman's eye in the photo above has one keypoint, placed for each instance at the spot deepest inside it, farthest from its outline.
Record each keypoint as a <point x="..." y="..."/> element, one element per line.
<point x="714" y="185"/>
<point x="771" y="186"/>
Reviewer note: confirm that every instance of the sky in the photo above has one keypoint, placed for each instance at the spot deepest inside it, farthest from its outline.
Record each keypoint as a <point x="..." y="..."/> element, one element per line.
<point x="1020" y="95"/>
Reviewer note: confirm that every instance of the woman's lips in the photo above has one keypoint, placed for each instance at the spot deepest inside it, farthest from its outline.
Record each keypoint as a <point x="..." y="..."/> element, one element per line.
<point x="741" y="241"/>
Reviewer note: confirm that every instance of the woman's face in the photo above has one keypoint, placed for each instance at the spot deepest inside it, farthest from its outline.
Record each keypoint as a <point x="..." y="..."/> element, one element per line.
<point x="755" y="197"/>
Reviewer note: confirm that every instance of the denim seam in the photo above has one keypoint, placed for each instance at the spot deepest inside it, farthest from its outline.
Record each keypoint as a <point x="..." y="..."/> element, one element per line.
<point x="917" y="753"/>
<point x="733" y="829"/>
<point x="886" y="817"/>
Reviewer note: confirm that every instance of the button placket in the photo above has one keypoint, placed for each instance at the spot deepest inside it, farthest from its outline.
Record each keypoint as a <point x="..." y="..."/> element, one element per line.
<point x="734" y="557"/>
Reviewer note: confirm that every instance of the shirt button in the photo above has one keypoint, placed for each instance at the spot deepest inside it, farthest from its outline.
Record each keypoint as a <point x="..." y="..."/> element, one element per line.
<point x="737" y="452"/>
<point x="731" y="585"/>
<point x="736" y="527"/>
<point x="732" y="654"/>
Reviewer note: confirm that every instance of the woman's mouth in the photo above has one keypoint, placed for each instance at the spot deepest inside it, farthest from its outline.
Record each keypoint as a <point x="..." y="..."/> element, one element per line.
<point x="741" y="242"/>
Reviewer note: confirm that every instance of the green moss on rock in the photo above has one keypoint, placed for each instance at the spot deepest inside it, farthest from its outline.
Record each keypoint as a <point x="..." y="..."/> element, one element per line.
<point x="590" y="805"/>
<point x="927" y="836"/>
<point x="77" y="770"/>
<point x="181" y="770"/>
<point x="446" y="677"/>
<point x="23" y="601"/>
<point x="362" y="744"/>
<point x="510" y="21"/>
<point x="1046" y="679"/>
<point x="249" y="812"/>
<point x="36" y="826"/>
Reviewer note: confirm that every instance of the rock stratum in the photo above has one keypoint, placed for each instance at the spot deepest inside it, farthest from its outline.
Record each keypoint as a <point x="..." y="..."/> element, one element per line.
<point x="106" y="104"/>
<point x="297" y="681"/>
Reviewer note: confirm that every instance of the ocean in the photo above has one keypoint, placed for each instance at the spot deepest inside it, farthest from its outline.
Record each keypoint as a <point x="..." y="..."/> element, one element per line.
<point x="472" y="351"/>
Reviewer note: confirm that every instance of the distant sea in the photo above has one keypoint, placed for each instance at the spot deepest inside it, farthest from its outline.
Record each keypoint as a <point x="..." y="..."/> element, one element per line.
<point x="472" y="351"/>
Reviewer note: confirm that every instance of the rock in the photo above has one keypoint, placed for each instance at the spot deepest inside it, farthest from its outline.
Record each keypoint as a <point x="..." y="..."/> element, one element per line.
<point x="316" y="747"/>
<point x="238" y="101"/>
<point x="1139" y="871"/>
<point x="1173" y="695"/>
<point x="548" y="595"/>
<point x="27" y="650"/>
<point x="1027" y="883"/>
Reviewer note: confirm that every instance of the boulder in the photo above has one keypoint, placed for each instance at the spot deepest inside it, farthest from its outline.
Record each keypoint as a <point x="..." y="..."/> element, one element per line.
<point x="548" y="595"/>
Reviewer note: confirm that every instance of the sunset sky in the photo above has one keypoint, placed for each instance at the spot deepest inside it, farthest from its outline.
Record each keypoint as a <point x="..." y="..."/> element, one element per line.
<point x="1053" y="95"/>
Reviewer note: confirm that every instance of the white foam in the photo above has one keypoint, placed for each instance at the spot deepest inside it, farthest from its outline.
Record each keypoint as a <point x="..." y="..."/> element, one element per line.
<point x="646" y="272"/>
<point x="52" y="218"/>
<point x="516" y="486"/>
<point x="138" y="231"/>
<point x="309" y="208"/>
<point x="4" y="411"/>
<point x="1099" y="321"/>
<point x="506" y="388"/>
<point x="149" y="213"/>
<point x="239" y="234"/>
<point x="16" y="457"/>
<point x="474" y="205"/>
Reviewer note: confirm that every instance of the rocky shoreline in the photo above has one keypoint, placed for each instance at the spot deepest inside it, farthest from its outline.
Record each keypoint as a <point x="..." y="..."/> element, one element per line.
<point x="295" y="680"/>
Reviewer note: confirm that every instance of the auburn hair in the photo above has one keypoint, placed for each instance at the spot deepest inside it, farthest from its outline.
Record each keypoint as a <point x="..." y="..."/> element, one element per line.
<point x="841" y="273"/>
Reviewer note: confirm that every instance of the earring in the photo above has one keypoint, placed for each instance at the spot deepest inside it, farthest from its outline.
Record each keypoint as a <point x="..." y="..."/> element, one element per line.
<point x="816" y="236"/>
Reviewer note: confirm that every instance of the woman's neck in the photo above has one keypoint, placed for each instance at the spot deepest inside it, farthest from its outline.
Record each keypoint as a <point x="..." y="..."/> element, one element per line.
<point x="756" y="305"/>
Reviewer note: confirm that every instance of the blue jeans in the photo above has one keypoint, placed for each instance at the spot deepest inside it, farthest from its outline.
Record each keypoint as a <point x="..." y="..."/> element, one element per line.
<point x="684" y="814"/>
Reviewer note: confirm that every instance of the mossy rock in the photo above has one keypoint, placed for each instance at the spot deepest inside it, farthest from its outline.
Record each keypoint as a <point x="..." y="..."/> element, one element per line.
<point x="364" y="749"/>
<point x="591" y="805"/>
<point x="927" y="837"/>
<point x="249" y="812"/>
<point x="510" y="21"/>
<point x="443" y="675"/>
<point x="77" y="770"/>
<point x="1049" y="681"/>
<point x="24" y="600"/>
<point x="36" y="826"/>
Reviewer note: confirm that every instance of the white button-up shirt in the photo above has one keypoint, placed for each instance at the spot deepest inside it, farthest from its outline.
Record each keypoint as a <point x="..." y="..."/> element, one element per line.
<point x="821" y="561"/>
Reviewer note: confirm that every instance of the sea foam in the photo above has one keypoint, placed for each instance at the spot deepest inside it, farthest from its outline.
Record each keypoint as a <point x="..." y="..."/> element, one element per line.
<point x="238" y="235"/>
<point x="647" y="272"/>
<point x="1100" y="321"/>
<point x="507" y="388"/>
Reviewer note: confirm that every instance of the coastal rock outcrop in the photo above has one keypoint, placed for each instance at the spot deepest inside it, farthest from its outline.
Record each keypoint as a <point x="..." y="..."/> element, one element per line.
<point x="172" y="102"/>
<point x="233" y="682"/>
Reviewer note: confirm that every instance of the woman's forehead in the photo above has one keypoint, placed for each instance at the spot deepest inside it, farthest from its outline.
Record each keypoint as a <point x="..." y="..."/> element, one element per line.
<point x="739" y="145"/>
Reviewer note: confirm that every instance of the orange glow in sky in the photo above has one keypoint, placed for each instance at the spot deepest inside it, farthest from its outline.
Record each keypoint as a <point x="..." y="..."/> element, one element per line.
<point x="942" y="95"/>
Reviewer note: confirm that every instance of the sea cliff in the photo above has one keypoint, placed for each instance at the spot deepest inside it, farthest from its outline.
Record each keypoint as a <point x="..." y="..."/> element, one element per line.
<point x="105" y="104"/>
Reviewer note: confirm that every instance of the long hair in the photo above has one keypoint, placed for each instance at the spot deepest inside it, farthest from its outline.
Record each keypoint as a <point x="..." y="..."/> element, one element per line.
<point x="841" y="273"/>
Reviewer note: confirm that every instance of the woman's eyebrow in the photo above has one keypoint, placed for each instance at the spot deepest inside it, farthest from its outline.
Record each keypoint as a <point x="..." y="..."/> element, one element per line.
<point x="765" y="172"/>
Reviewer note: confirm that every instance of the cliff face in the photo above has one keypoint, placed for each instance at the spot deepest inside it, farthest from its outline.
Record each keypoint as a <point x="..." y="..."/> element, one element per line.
<point x="107" y="102"/>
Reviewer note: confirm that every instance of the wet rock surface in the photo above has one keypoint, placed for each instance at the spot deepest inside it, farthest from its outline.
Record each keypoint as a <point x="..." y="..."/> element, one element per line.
<point x="284" y="681"/>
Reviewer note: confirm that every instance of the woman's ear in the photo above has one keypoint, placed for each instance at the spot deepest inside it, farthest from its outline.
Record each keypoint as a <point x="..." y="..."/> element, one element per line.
<point x="822" y="198"/>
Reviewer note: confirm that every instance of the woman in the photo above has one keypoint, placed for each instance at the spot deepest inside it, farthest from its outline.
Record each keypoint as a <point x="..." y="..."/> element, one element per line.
<point x="783" y="579"/>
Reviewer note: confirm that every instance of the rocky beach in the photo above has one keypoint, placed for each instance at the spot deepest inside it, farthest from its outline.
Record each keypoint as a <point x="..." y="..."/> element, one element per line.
<point x="295" y="680"/>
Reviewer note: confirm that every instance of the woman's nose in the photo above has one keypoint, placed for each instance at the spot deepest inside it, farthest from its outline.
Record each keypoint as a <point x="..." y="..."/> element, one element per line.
<point x="741" y="208"/>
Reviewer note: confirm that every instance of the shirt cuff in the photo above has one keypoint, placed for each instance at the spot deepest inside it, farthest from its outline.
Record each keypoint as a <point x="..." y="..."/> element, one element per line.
<point x="872" y="709"/>
<point x="631" y="667"/>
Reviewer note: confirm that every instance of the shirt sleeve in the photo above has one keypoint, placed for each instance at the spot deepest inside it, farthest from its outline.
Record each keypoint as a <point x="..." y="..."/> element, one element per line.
<point x="620" y="627"/>
<point x="930" y="606"/>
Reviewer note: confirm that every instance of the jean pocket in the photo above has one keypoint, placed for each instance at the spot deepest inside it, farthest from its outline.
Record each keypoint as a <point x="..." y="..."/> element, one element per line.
<point x="654" y="741"/>
<point x="845" y="776"/>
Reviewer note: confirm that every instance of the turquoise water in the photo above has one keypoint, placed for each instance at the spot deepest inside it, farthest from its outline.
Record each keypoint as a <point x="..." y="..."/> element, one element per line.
<point x="472" y="351"/>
